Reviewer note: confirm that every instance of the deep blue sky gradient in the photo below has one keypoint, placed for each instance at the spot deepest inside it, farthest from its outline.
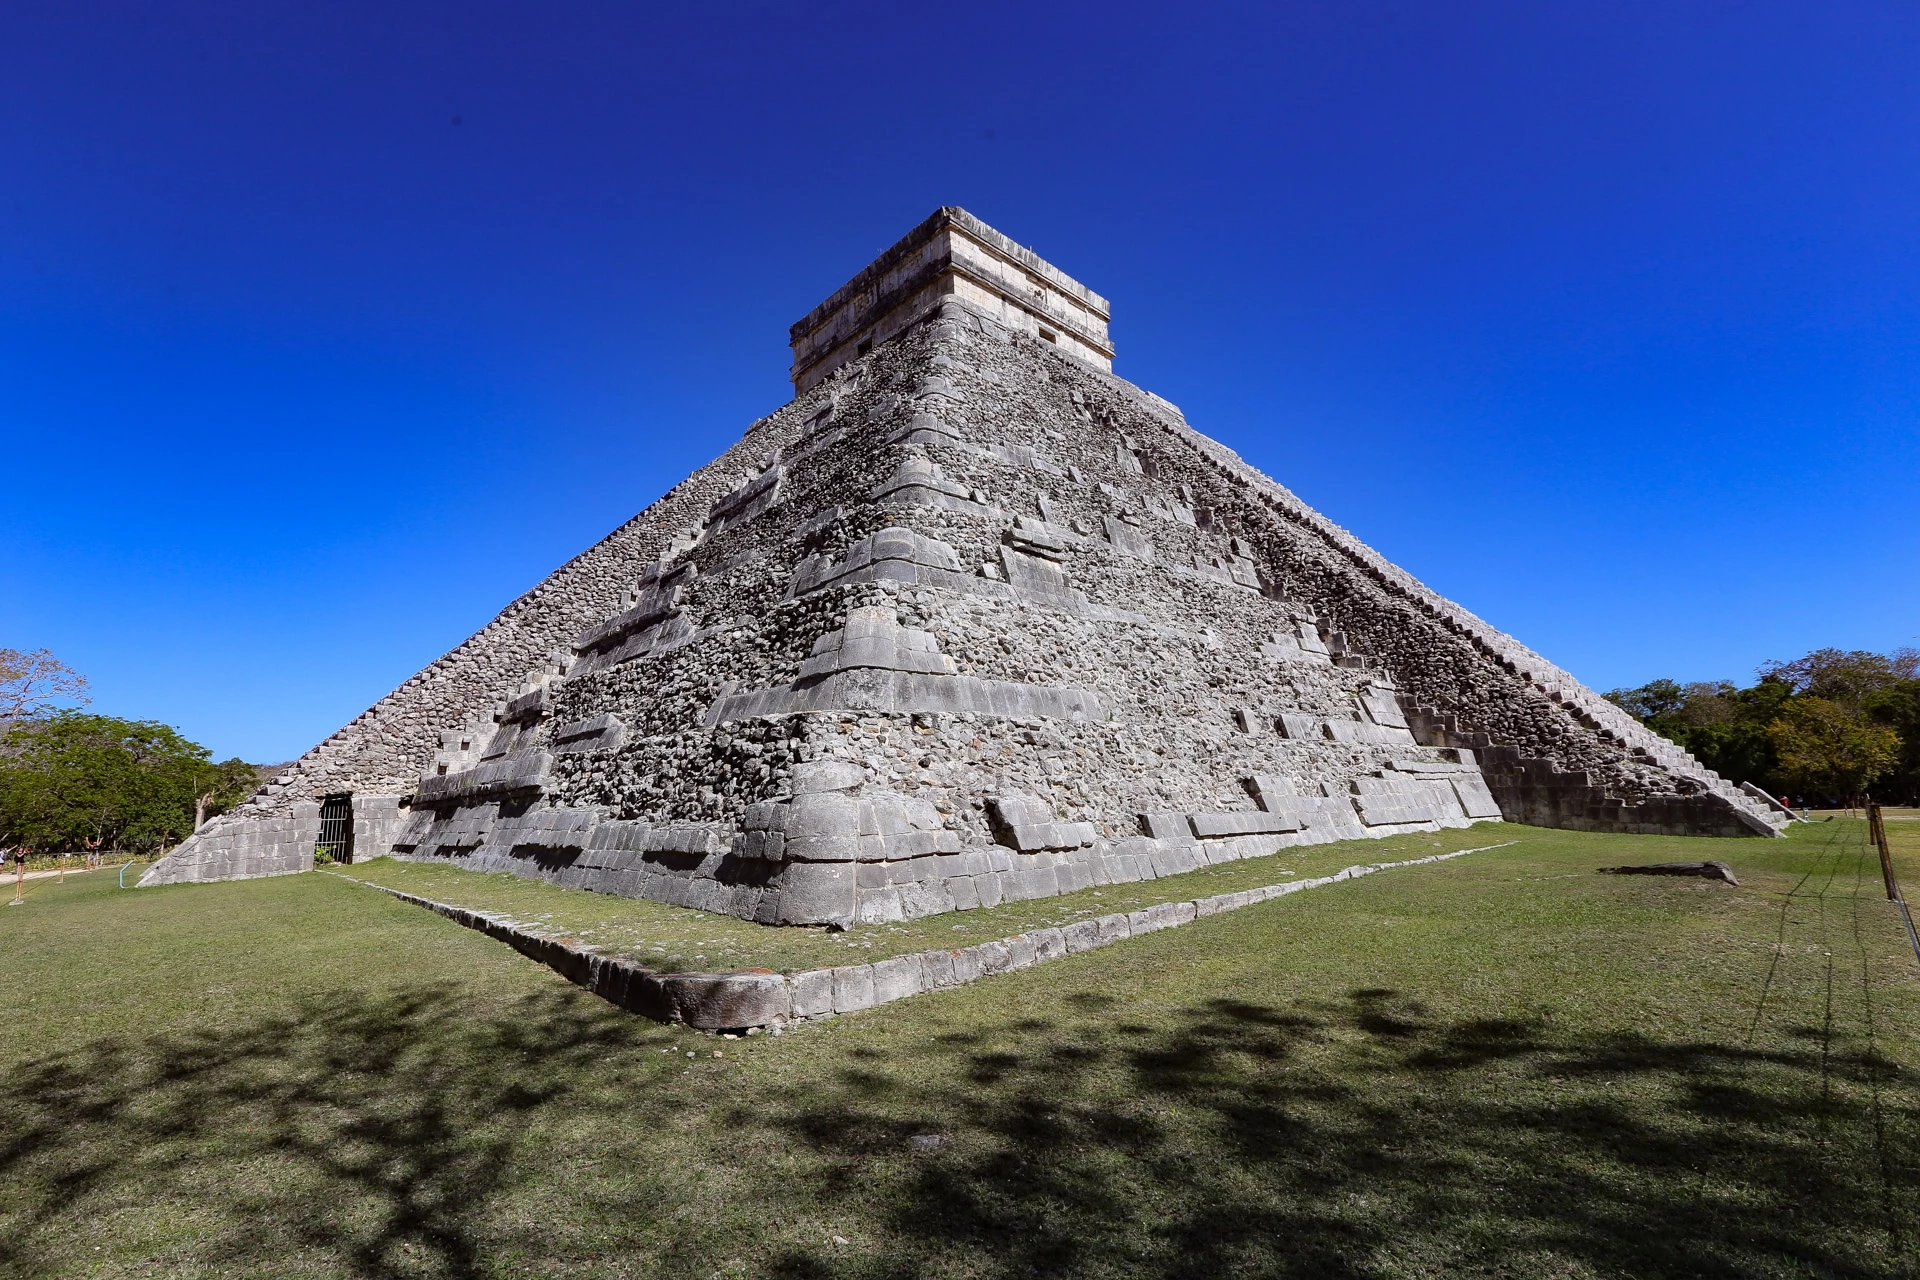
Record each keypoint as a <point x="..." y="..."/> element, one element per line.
<point x="325" y="329"/>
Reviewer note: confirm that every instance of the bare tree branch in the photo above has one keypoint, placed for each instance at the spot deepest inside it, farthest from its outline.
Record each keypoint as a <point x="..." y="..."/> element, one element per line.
<point x="31" y="682"/>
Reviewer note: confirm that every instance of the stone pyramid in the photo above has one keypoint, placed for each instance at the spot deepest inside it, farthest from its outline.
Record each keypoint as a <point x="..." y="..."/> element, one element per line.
<point x="970" y="619"/>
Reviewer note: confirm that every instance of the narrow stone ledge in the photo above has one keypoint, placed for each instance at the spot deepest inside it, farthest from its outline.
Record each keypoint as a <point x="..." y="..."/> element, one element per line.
<point x="746" y="998"/>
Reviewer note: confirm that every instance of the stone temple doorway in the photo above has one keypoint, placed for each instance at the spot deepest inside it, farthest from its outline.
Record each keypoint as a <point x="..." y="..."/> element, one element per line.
<point x="336" y="830"/>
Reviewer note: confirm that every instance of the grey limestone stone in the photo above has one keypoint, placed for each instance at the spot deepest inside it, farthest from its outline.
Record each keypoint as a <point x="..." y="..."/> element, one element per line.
<point x="1081" y="935"/>
<point x="852" y="988"/>
<point x="936" y="970"/>
<point x="965" y="573"/>
<point x="897" y="978"/>
<point x="812" y="993"/>
<point x="817" y="893"/>
<point x="965" y="964"/>
<point x="729" y="1000"/>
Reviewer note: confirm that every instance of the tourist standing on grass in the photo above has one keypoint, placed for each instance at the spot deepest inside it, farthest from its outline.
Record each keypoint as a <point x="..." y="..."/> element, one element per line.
<point x="20" y="852"/>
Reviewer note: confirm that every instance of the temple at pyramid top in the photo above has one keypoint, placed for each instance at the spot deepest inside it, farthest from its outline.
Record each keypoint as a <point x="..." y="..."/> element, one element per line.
<point x="951" y="254"/>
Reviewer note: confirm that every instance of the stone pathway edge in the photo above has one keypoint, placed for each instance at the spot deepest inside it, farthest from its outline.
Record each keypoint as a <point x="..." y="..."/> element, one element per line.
<point x="743" y="998"/>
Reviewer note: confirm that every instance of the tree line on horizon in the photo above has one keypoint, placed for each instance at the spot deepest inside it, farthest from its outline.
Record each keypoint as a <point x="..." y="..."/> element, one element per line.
<point x="72" y="781"/>
<point x="1834" y="727"/>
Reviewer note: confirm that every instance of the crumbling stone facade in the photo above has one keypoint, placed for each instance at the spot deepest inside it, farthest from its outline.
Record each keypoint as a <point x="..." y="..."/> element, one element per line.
<point x="970" y="619"/>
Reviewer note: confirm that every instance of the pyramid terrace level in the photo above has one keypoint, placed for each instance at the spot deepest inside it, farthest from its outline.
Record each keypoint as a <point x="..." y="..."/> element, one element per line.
<point x="951" y="254"/>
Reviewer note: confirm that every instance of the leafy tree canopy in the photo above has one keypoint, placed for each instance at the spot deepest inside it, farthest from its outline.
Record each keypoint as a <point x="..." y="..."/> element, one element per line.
<point x="1731" y="729"/>
<point x="1898" y="708"/>
<point x="1700" y="703"/>
<point x="1829" y="747"/>
<point x="69" y="777"/>
<point x="1653" y="699"/>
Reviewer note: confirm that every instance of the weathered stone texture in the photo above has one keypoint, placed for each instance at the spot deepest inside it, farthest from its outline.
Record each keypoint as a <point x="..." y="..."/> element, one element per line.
<point x="973" y="620"/>
<point x="231" y="848"/>
<point x="950" y="255"/>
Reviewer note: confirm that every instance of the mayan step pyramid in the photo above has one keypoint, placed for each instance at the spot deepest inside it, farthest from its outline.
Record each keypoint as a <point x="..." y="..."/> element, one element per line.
<point x="969" y="620"/>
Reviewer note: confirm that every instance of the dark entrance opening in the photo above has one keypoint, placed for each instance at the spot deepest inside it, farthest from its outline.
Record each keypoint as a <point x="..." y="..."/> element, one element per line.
<point x="336" y="830"/>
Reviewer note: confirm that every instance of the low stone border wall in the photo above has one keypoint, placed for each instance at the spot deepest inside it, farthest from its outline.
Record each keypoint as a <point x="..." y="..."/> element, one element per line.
<point x="743" y="998"/>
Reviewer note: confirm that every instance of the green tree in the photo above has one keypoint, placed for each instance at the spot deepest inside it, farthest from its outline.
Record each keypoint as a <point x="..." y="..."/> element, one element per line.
<point x="1735" y="743"/>
<point x="70" y="777"/>
<point x="223" y="786"/>
<point x="1830" y="748"/>
<point x="1898" y="708"/>
<point x="1725" y="727"/>
<point x="1651" y="701"/>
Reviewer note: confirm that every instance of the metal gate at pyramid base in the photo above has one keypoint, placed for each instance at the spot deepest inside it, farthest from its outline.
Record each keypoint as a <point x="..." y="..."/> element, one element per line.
<point x="336" y="829"/>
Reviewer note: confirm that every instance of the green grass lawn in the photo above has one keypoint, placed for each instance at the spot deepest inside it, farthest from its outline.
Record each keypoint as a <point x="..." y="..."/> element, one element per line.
<point x="678" y="940"/>
<point x="1499" y="1065"/>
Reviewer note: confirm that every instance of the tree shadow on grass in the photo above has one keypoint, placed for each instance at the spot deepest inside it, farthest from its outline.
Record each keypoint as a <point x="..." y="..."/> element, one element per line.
<point x="408" y="1135"/>
<point x="1365" y="1139"/>
<point x="371" y="1130"/>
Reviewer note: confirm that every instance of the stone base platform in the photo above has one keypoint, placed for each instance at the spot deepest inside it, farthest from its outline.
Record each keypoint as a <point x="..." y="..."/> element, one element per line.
<point x="838" y="851"/>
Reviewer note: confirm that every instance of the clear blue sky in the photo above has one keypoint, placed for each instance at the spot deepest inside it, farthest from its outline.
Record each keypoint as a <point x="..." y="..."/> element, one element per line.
<point x="325" y="329"/>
